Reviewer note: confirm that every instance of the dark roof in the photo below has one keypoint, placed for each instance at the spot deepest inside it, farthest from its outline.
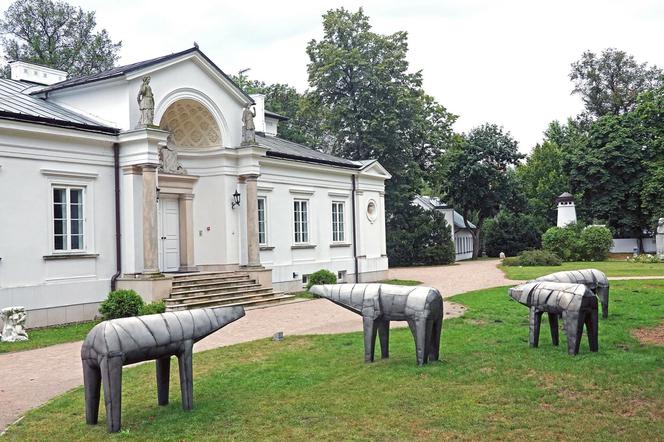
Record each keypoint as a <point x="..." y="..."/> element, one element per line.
<point x="280" y="148"/>
<point x="434" y="203"/>
<point x="17" y="104"/>
<point x="275" y="115"/>
<point x="123" y="70"/>
<point x="565" y="197"/>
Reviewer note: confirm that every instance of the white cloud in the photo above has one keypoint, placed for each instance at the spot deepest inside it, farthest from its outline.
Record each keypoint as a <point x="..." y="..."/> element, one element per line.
<point x="498" y="61"/>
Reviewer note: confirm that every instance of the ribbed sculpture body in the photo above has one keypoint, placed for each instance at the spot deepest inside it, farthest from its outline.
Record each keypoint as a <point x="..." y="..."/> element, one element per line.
<point x="575" y="302"/>
<point x="378" y="304"/>
<point x="595" y="280"/>
<point x="112" y="344"/>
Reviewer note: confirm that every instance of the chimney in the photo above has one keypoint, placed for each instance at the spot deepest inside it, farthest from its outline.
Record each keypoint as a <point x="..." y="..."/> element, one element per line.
<point x="33" y="73"/>
<point x="259" y="119"/>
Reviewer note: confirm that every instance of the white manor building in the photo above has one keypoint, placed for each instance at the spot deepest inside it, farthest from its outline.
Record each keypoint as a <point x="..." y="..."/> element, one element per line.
<point x="89" y="202"/>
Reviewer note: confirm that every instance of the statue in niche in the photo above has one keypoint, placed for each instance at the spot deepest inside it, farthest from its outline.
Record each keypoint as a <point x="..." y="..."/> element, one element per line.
<point x="248" y="127"/>
<point x="145" y="100"/>
<point x="168" y="158"/>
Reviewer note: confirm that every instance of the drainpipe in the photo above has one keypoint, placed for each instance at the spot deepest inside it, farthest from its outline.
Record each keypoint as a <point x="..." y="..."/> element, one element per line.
<point x="353" y="179"/>
<point x="118" y="243"/>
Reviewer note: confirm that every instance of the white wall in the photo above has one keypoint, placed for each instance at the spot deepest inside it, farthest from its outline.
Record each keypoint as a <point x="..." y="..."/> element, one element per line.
<point x="30" y="162"/>
<point x="627" y="245"/>
<point x="463" y="243"/>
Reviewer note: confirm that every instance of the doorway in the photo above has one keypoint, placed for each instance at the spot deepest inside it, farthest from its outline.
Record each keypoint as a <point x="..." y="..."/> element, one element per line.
<point x="169" y="234"/>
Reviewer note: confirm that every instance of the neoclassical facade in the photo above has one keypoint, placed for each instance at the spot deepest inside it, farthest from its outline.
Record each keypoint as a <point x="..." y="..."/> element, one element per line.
<point x="91" y="200"/>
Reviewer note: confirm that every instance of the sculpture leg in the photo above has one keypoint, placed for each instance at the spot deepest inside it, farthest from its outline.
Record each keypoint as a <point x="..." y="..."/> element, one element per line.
<point x="111" y="376"/>
<point x="574" y="330"/>
<point x="535" y="324"/>
<point x="434" y="350"/>
<point x="163" y="366"/>
<point x="604" y="299"/>
<point x="186" y="376"/>
<point x="553" y="325"/>
<point x="592" y="328"/>
<point x="384" y="336"/>
<point x="370" y="328"/>
<point x="92" y="386"/>
<point x="423" y="332"/>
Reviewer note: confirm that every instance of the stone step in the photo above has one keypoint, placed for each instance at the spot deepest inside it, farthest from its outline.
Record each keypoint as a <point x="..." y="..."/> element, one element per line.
<point x="220" y="295"/>
<point x="246" y="301"/>
<point x="184" y="280"/>
<point x="207" y="286"/>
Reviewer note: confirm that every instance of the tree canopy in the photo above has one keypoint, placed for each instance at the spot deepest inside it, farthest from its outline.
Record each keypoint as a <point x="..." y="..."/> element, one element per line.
<point x="57" y="35"/>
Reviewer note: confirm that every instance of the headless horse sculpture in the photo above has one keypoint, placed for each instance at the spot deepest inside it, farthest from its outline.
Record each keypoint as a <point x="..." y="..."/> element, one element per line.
<point x="595" y="280"/>
<point x="112" y="344"/>
<point x="378" y="304"/>
<point x="575" y="302"/>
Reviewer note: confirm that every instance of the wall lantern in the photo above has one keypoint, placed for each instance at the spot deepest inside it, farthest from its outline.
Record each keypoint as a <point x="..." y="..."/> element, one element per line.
<point x="236" y="200"/>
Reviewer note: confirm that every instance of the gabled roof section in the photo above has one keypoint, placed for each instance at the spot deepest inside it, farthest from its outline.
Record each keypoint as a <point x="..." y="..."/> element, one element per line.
<point x="434" y="203"/>
<point x="275" y="115"/>
<point x="17" y="104"/>
<point x="280" y="148"/>
<point x="129" y="68"/>
<point x="373" y="167"/>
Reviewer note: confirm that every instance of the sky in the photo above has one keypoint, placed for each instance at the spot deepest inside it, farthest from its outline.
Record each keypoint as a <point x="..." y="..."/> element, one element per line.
<point x="502" y="61"/>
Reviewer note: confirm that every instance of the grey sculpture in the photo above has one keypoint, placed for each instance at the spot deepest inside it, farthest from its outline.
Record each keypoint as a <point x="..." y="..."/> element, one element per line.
<point x="595" y="280"/>
<point x="575" y="302"/>
<point x="378" y="304"/>
<point x="248" y="126"/>
<point x="145" y="100"/>
<point x="112" y="344"/>
<point x="13" y="328"/>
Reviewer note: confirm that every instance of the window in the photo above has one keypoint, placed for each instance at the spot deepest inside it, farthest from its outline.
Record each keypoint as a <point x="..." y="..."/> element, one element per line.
<point x="338" y="228"/>
<point x="301" y="218"/>
<point x="68" y="218"/>
<point x="262" y="228"/>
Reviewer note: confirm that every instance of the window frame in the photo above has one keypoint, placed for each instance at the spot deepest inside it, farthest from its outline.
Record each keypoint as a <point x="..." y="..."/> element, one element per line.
<point x="262" y="199"/>
<point x="340" y="222"/>
<point x="67" y="236"/>
<point x="303" y="232"/>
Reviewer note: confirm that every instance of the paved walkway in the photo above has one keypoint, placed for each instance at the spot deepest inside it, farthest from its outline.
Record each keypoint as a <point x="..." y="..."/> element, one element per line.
<point x="31" y="378"/>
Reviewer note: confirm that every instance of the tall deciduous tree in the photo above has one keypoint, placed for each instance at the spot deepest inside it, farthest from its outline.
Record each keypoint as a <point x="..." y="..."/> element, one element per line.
<point x="57" y="35"/>
<point x="475" y="177"/>
<point x="609" y="83"/>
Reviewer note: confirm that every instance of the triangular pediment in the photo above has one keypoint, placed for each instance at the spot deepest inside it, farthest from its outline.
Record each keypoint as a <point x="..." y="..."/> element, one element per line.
<point x="374" y="168"/>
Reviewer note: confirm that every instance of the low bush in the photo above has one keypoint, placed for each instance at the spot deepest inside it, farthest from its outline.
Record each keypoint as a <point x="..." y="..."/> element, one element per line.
<point x="529" y="258"/>
<point x="510" y="233"/>
<point x="576" y="242"/>
<point x="645" y="258"/>
<point x="153" y="308"/>
<point x="321" y="277"/>
<point x="596" y="241"/>
<point x="121" y="304"/>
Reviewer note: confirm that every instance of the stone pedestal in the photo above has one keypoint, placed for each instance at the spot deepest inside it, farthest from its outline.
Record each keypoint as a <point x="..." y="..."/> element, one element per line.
<point x="150" y="288"/>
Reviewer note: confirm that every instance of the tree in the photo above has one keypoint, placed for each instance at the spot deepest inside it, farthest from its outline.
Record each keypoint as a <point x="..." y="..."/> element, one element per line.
<point x="474" y="174"/>
<point x="511" y="233"/>
<point x="610" y="83"/>
<point x="57" y="35"/>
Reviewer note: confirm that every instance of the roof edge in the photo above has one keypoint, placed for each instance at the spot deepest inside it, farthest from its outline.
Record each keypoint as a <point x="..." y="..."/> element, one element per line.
<point x="58" y="123"/>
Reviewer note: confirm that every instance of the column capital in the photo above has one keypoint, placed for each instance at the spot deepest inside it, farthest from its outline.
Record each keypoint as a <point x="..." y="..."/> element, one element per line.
<point x="249" y="177"/>
<point x="186" y="196"/>
<point x="132" y="170"/>
<point x="149" y="167"/>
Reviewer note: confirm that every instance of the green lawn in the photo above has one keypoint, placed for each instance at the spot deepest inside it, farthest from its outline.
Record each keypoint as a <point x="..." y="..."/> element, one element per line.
<point x="611" y="268"/>
<point x="43" y="337"/>
<point x="401" y="282"/>
<point x="489" y="384"/>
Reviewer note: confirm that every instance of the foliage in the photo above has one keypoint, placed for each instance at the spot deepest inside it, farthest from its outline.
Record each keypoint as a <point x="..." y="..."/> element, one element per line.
<point x="575" y="242"/>
<point x="596" y="241"/>
<point x="57" y="35"/>
<point x="321" y="277"/>
<point x="153" y="308"/>
<point x="419" y="237"/>
<point x="511" y="233"/>
<point x="474" y="174"/>
<point x="644" y="258"/>
<point x="609" y="83"/>
<point x="488" y="384"/>
<point x="46" y="336"/>
<point x="121" y="304"/>
<point x="529" y="258"/>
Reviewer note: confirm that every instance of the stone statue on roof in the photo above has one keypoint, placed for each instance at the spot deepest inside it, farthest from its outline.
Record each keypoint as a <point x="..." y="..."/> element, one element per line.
<point x="145" y="100"/>
<point x="248" y="126"/>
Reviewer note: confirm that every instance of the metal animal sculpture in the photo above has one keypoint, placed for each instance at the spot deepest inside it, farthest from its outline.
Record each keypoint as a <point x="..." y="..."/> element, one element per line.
<point x="575" y="302"/>
<point x="595" y="280"/>
<point x="112" y="344"/>
<point x="378" y="304"/>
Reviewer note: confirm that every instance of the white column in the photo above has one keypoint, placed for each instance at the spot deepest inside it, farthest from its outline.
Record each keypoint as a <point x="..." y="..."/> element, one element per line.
<point x="253" y="250"/>
<point x="150" y="233"/>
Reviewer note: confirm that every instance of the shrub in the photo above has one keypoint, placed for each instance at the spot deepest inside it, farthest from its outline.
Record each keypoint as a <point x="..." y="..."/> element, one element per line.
<point x="321" y="277"/>
<point x="533" y="258"/>
<point x="561" y="242"/>
<point x="644" y="259"/>
<point x="511" y="233"/>
<point x="418" y="237"/>
<point x="153" y="308"/>
<point x="596" y="241"/>
<point x="121" y="304"/>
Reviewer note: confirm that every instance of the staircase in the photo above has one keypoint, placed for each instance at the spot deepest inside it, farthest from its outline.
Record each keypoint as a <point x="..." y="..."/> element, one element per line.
<point x="217" y="289"/>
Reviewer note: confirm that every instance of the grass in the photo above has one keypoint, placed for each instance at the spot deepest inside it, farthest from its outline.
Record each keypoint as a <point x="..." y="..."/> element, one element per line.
<point x="401" y="282"/>
<point x="43" y="337"/>
<point x="489" y="384"/>
<point x="611" y="268"/>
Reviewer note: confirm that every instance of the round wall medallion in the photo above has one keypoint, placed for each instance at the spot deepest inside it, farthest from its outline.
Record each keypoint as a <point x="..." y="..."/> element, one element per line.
<point x="372" y="211"/>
